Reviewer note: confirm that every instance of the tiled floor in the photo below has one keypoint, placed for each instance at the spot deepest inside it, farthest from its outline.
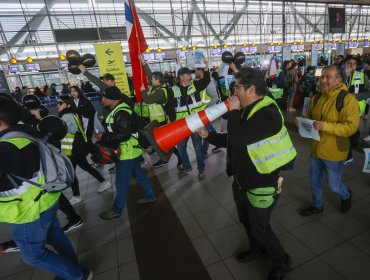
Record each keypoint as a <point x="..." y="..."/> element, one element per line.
<point x="329" y="246"/>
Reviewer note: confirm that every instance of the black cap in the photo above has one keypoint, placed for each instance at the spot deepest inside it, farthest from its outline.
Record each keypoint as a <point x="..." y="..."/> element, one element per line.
<point x="112" y="93"/>
<point x="108" y="77"/>
<point x="183" y="70"/>
<point x="31" y="102"/>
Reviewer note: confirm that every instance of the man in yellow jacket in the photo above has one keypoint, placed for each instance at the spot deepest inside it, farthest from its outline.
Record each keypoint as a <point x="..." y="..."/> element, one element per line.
<point x="335" y="127"/>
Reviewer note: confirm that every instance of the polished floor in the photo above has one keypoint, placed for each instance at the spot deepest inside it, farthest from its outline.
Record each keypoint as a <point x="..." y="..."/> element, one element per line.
<point x="328" y="246"/>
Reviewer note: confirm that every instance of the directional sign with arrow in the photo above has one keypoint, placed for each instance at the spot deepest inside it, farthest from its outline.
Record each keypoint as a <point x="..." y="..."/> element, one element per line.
<point x="109" y="52"/>
<point x="111" y="61"/>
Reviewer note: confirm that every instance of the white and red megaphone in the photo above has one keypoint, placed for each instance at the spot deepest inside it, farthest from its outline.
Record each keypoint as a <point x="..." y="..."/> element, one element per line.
<point x="164" y="138"/>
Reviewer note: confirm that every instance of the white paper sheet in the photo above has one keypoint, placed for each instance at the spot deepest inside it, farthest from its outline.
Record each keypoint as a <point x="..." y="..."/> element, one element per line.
<point x="366" y="167"/>
<point x="306" y="129"/>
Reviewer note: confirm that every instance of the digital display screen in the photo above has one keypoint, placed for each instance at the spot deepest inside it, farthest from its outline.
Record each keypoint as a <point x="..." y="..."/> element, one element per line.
<point x="63" y="64"/>
<point x="270" y="48"/>
<point x="252" y="49"/>
<point x="14" y="68"/>
<point x="301" y="47"/>
<point x="216" y="51"/>
<point x="244" y="49"/>
<point x="367" y="44"/>
<point x="277" y="48"/>
<point x="31" y="67"/>
<point x="149" y="56"/>
<point x="353" y="44"/>
<point x="293" y="47"/>
<point x="159" y="56"/>
<point x="333" y="45"/>
<point x="319" y="46"/>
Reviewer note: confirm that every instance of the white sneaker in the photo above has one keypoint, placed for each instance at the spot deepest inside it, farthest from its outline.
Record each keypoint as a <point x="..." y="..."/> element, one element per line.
<point x="366" y="138"/>
<point x="75" y="200"/>
<point x="104" y="186"/>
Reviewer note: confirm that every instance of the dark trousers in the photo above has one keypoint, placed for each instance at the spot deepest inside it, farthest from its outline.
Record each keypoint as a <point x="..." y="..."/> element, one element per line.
<point x="257" y="225"/>
<point x="68" y="209"/>
<point x="82" y="162"/>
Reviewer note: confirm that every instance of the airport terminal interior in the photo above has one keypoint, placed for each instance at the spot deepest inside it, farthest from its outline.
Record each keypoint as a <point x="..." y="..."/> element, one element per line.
<point x="190" y="228"/>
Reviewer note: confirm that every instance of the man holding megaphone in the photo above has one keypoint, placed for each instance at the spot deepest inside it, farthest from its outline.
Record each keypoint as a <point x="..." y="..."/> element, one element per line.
<point x="258" y="146"/>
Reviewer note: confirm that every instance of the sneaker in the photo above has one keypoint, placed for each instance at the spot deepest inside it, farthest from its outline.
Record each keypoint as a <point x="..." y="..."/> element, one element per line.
<point x="87" y="275"/>
<point x="104" y="186"/>
<point x="73" y="225"/>
<point x="9" y="247"/>
<point x="216" y="149"/>
<point x="75" y="199"/>
<point x="145" y="200"/>
<point x="183" y="171"/>
<point x="366" y="138"/>
<point x="109" y="215"/>
<point x="201" y="175"/>
<point x="247" y="256"/>
<point x="112" y="169"/>
<point x="346" y="203"/>
<point x="159" y="163"/>
<point x="348" y="160"/>
<point x="310" y="211"/>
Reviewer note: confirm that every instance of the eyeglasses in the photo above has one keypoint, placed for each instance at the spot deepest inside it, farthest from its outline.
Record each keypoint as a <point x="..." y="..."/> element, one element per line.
<point x="60" y="102"/>
<point x="240" y="86"/>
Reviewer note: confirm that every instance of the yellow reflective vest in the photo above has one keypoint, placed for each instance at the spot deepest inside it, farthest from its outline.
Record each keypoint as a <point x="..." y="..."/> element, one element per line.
<point x="156" y="111"/>
<point x="129" y="149"/>
<point x="68" y="140"/>
<point x="275" y="151"/>
<point x="187" y="109"/>
<point x="27" y="202"/>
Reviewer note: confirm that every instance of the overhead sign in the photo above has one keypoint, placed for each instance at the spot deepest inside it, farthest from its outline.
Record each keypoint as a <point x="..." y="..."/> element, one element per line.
<point x="90" y="34"/>
<point x="110" y="60"/>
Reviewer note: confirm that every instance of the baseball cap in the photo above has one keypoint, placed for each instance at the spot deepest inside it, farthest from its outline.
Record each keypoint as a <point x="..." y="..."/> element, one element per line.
<point x="108" y="76"/>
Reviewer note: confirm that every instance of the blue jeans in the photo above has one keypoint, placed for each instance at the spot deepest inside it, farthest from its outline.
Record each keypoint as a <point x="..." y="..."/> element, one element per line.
<point x="333" y="171"/>
<point x="125" y="169"/>
<point x="210" y="128"/>
<point x="197" y="143"/>
<point x="31" y="239"/>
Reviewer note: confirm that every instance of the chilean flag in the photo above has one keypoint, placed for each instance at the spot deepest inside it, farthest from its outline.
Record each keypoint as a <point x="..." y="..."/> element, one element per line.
<point x="136" y="45"/>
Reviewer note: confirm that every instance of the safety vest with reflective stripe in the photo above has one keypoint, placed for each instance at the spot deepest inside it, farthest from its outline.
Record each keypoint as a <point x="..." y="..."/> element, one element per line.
<point x="156" y="111"/>
<point x="276" y="92"/>
<point x="129" y="149"/>
<point x="67" y="141"/>
<point x="357" y="85"/>
<point x="188" y="109"/>
<point x="273" y="152"/>
<point x="142" y="109"/>
<point x="25" y="203"/>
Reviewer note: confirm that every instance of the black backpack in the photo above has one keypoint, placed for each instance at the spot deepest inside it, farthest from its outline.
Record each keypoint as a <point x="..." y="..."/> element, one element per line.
<point x="354" y="139"/>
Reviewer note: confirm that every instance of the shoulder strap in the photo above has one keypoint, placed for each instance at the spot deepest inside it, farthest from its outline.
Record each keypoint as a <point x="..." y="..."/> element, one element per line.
<point x="17" y="134"/>
<point x="340" y="99"/>
<point x="317" y="97"/>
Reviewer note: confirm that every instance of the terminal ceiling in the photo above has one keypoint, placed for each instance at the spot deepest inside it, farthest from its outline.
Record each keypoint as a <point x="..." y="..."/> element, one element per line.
<point x="27" y="25"/>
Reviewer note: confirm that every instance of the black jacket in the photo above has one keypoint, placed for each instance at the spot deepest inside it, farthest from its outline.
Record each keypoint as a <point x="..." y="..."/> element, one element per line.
<point x="264" y="123"/>
<point x="87" y="110"/>
<point x="22" y="162"/>
<point x="122" y="129"/>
